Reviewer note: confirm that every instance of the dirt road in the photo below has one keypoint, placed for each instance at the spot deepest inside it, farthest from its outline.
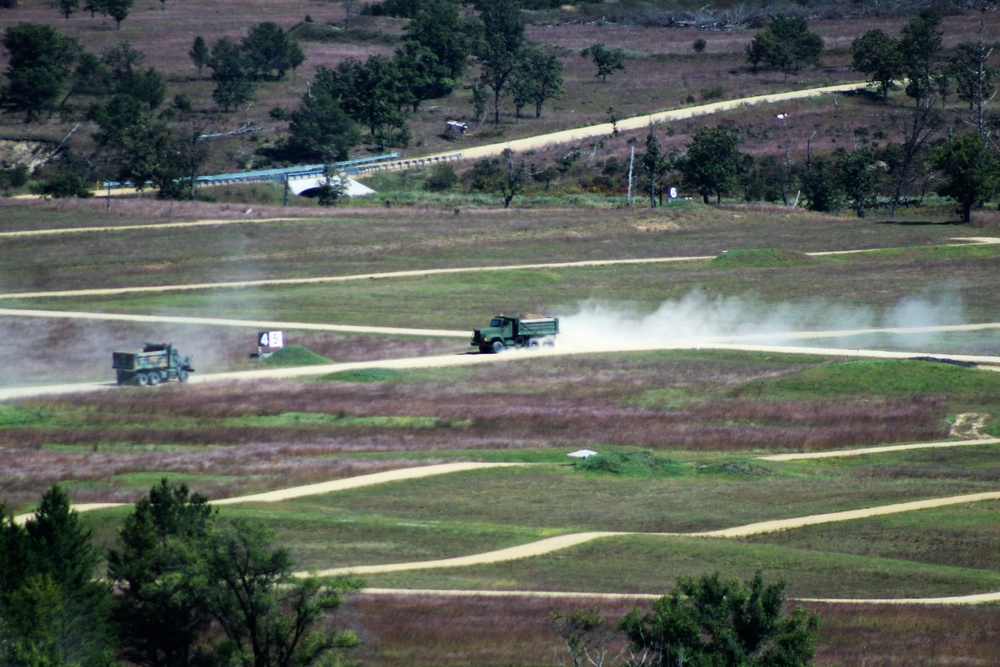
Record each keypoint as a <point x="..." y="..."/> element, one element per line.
<point x="628" y="124"/>
<point x="388" y="275"/>
<point x="223" y="322"/>
<point x="122" y="228"/>
<point x="442" y="361"/>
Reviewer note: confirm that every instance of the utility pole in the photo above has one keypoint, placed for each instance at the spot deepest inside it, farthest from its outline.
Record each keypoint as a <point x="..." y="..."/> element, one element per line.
<point x="628" y="195"/>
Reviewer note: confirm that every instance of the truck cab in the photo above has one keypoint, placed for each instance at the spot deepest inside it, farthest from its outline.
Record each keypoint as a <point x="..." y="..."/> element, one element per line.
<point x="505" y="331"/>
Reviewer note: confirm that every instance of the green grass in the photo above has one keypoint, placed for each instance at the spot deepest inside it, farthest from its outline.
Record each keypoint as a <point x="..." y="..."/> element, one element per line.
<point x="311" y="420"/>
<point x="724" y="494"/>
<point x="367" y="375"/>
<point x="962" y="536"/>
<point x="654" y="563"/>
<point x="883" y="379"/>
<point x="320" y="539"/>
<point x="632" y="464"/>
<point x="761" y="258"/>
<point x="293" y="355"/>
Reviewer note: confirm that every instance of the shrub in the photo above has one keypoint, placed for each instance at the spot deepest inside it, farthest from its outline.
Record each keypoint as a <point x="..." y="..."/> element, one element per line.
<point x="441" y="179"/>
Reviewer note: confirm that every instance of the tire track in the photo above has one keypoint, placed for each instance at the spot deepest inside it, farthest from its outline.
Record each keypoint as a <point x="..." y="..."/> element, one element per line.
<point x="389" y="275"/>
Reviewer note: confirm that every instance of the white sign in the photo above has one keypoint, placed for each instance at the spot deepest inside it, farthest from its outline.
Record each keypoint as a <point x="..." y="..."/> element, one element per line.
<point x="271" y="339"/>
<point x="673" y="193"/>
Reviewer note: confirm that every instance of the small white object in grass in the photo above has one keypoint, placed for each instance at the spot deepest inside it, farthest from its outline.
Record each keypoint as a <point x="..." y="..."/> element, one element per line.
<point x="582" y="454"/>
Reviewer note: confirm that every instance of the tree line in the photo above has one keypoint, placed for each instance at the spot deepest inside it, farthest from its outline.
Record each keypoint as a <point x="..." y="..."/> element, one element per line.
<point x="931" y="156"/>
<point x="143" y="138"/>
<point x="185" y="587"/>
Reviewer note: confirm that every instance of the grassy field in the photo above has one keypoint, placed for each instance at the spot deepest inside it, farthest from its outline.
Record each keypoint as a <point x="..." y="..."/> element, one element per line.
<point x="681" y="432"/>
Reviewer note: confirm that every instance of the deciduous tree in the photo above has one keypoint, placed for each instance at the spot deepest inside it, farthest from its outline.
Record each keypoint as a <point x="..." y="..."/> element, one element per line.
<point x="607" y="59"/>
<point x="505" y="176"/>
<point x="199" y="53"/>
<point x="499" y="49"/>
<point x="877" y="55"/>
<point x="68" y="7"/>
<point x="971" y="170"/>
<point x="267" y="614"/>
<point x="537" y="78"/>
<point x="975" y="80"/>
<point x="655" y="165"/>
<point x="712" y="162"/>
<point x="117" y="9"/>
<point x="785" y="45"/>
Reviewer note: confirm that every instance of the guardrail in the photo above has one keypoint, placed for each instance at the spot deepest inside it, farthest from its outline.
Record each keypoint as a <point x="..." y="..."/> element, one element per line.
<point x="406" y="164"/>
<point x="280" y="174"/>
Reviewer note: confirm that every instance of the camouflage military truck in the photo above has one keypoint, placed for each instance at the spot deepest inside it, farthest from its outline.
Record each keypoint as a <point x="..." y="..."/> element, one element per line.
<point x="158" y="362"/>
<point x="504" y="332"/>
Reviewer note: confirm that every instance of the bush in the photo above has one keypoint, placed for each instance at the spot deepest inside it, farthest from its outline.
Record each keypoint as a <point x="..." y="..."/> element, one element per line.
<point x="15" y="177"/>
<point x="63" y="185"/>
<point x="632" y="464"/>
<point x="441" y="179"/>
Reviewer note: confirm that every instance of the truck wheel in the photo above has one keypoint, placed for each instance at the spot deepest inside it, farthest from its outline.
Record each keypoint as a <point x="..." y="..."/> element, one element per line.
<point x="182" y="375"/>
<point x="534" y="344"/>
<point x="498" y="346"/>
<point x="154" y="379"/>
<point x="141" y="379"/>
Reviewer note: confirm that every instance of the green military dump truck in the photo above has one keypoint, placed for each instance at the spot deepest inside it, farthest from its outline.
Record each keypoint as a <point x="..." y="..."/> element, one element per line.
<point x="158" y="362"/>
<point x="505" y="332"/>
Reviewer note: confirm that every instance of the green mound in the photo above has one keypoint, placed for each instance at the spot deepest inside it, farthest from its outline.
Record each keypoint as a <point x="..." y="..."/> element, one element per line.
<point x="762" y="257"/>
<point x="365" y="375"/>
<point x="632" y="464"/>
<point x="294" y="355"/>
<point x="883" y="378"/>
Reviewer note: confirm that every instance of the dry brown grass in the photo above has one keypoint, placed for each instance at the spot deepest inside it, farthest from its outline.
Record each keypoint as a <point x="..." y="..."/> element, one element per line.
<point x="493" y="632"/>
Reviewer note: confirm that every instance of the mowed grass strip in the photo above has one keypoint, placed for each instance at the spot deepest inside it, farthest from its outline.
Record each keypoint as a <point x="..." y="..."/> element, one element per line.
<point x="379" y="242"/>
<point x="727" y="494"/>
<point x="655" y="562"/>
<point x="782" y="298"/>
<point x="320" y="538"/>
<point x="964" y="536"/>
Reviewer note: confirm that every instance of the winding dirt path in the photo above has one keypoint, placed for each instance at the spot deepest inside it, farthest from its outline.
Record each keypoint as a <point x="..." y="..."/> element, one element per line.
<point x="415" y="273"/>
<point x="360" y="481"/>
<point x="562" y="542"/>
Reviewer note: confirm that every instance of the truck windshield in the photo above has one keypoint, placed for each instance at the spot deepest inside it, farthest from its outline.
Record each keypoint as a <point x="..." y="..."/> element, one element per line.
<point x="496" y="322"/>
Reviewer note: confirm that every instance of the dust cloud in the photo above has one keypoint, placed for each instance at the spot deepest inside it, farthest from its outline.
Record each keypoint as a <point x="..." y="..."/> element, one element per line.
<point x="699" y="318"/>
